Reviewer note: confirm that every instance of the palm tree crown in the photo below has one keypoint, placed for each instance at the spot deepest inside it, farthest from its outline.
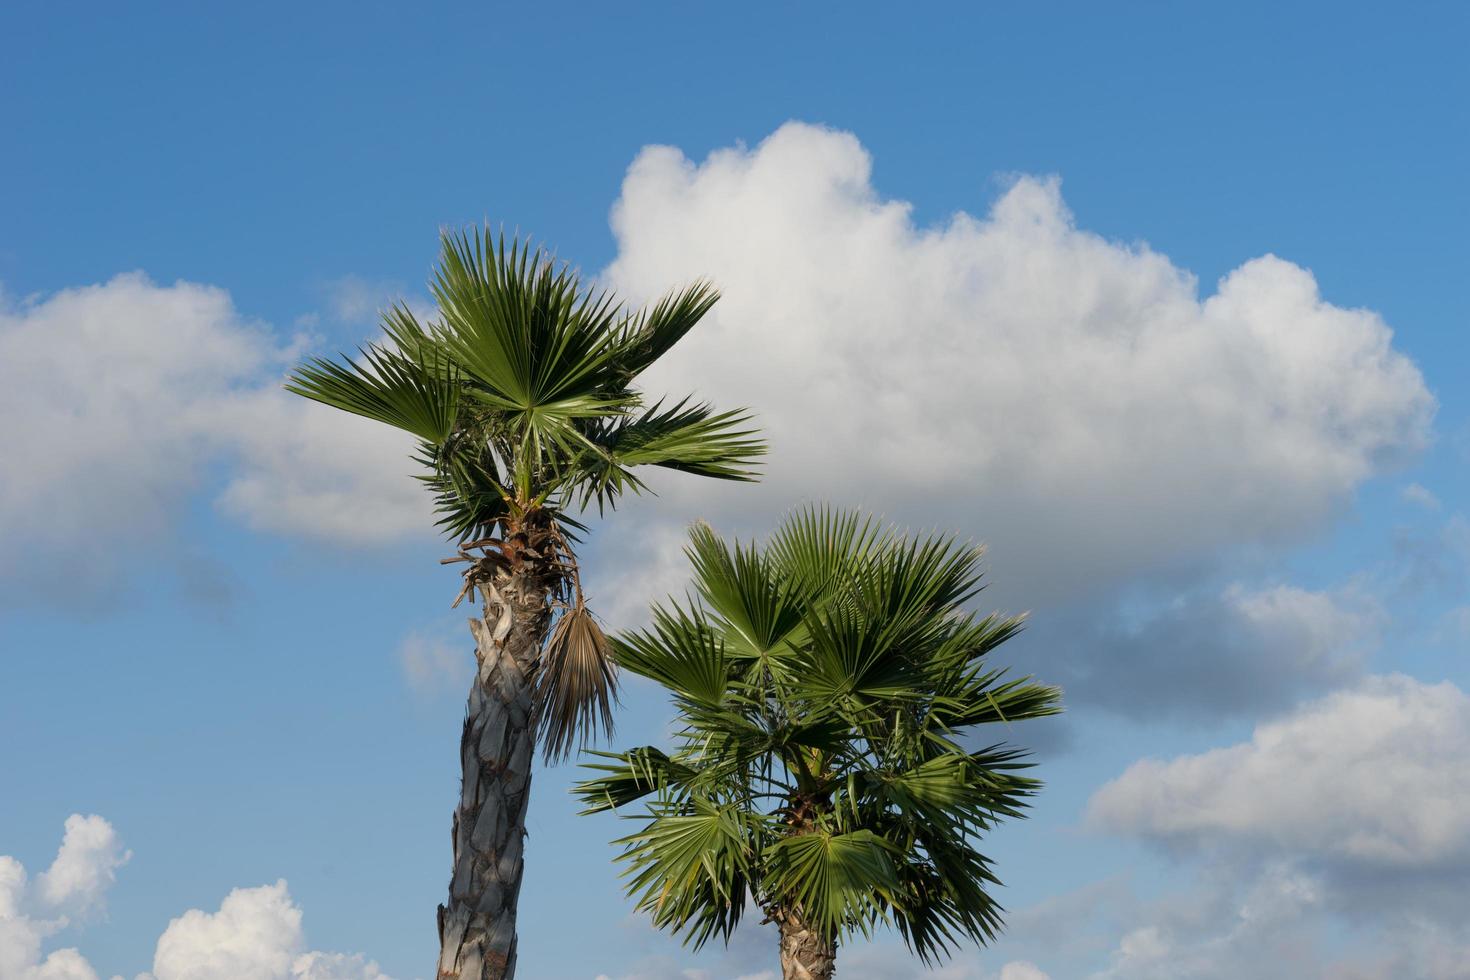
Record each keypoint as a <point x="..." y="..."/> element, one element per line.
<point x="825" y="688"/>
<point x="523" y="397"/>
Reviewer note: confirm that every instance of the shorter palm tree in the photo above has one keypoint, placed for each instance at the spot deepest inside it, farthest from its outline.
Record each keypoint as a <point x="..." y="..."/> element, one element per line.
<point x="826" y="688"/>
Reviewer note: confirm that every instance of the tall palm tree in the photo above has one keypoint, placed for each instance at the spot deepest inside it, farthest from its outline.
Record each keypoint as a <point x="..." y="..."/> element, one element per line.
<point x="523" y="397"/>
<point x="826" y="689"/>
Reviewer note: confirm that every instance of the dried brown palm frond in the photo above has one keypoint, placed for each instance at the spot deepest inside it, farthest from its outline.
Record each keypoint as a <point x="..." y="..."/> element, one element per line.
<point x="576" y="683"/>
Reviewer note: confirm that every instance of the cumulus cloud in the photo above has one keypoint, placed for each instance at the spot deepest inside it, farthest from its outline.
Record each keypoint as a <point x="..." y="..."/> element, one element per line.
<point x="255" y="935"/>
<point x="85" y="866"/>
<point x="99" y="387"/>
<point x="1334" y="843"/>
<point x="1206" y="655"/>
<point x="1073" y="400"/>
<point x="653" y="551"/>
<point x="311" y="471"/>
<point x="1373" y="777"/>
<point x="118" y="396"/>
<point x="1212" y="655"/>
<point x="1276" y="920"/>
<point x="75" y="884"/>
<point x="1264" y="926"/>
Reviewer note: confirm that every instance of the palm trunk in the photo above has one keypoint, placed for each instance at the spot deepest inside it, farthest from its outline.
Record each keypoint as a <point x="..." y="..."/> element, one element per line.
<point x="477" y="929"/>
<point x="805" y="954"/>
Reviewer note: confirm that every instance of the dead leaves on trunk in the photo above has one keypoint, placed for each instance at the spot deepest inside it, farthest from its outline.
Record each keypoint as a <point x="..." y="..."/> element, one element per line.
<point x="576" y="676"/>
<point x="576" y="683"/>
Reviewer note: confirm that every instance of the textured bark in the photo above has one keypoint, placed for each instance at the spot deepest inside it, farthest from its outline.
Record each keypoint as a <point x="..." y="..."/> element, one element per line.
<point x="805" y="955"/>
<point x="477" y="929"/>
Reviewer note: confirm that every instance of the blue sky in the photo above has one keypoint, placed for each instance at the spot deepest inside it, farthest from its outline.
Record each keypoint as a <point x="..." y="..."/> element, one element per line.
<point x="998" y="269"/>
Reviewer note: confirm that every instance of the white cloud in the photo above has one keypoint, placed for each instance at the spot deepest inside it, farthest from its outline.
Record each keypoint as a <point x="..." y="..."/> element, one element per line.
<point x="312" y="471"/>
<point x="1418" y="950"/>
<point x="85" y="866"/>
<point x="636" y="564"/>
<point x="335" y="966"/>
<point x="100" y="387"/>
<point x="118" y="396"/>
<point x="1022" y="970"/>
<point x="255" y="935"/>
<point x="1374" y="778"/>
<point x="1262" y="928"/>
<point x="1073" y="400"/>
<point x="76" y="883"/>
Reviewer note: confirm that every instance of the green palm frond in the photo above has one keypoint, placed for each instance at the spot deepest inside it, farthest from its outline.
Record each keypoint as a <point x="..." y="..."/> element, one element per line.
<point x="815" y="547"/>
<point x="834" y="881"/>
<point x="826" y="686"/>
<point x="850" y="655"/>
<point x="521" y="390"/>
<point x="630" y="776"/>
<point x="689" y="865"/>
<point x="690" y="438"/>
<point x="1020" y="699"/>
<point x="470" y="494"/>
<point x="746" y="600"/>
<point x="680" y="653"/>
<point x="651" y="334"/>
<point x="418" y="394"/>
<point x="523" y="328"/>
<point x="945" y="902"/>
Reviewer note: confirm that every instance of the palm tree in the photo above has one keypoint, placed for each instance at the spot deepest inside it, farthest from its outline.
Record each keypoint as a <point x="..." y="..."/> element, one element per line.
<point x="522" y="396"/>
<point x="826" y="687"/>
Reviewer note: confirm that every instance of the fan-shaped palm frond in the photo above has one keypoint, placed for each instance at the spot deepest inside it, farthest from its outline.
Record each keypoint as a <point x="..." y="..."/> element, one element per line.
<point x="826" y="685"/>
<point x="653" y="333"/>
<point x="521" y="394"/>
<point x="418" y="393"/>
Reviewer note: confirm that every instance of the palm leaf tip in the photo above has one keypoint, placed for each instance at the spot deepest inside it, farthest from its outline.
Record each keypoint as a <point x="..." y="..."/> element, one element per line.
<point x="652" y="333"/>
<point x="576" y="684"/>
<point x="418" y="394"/>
